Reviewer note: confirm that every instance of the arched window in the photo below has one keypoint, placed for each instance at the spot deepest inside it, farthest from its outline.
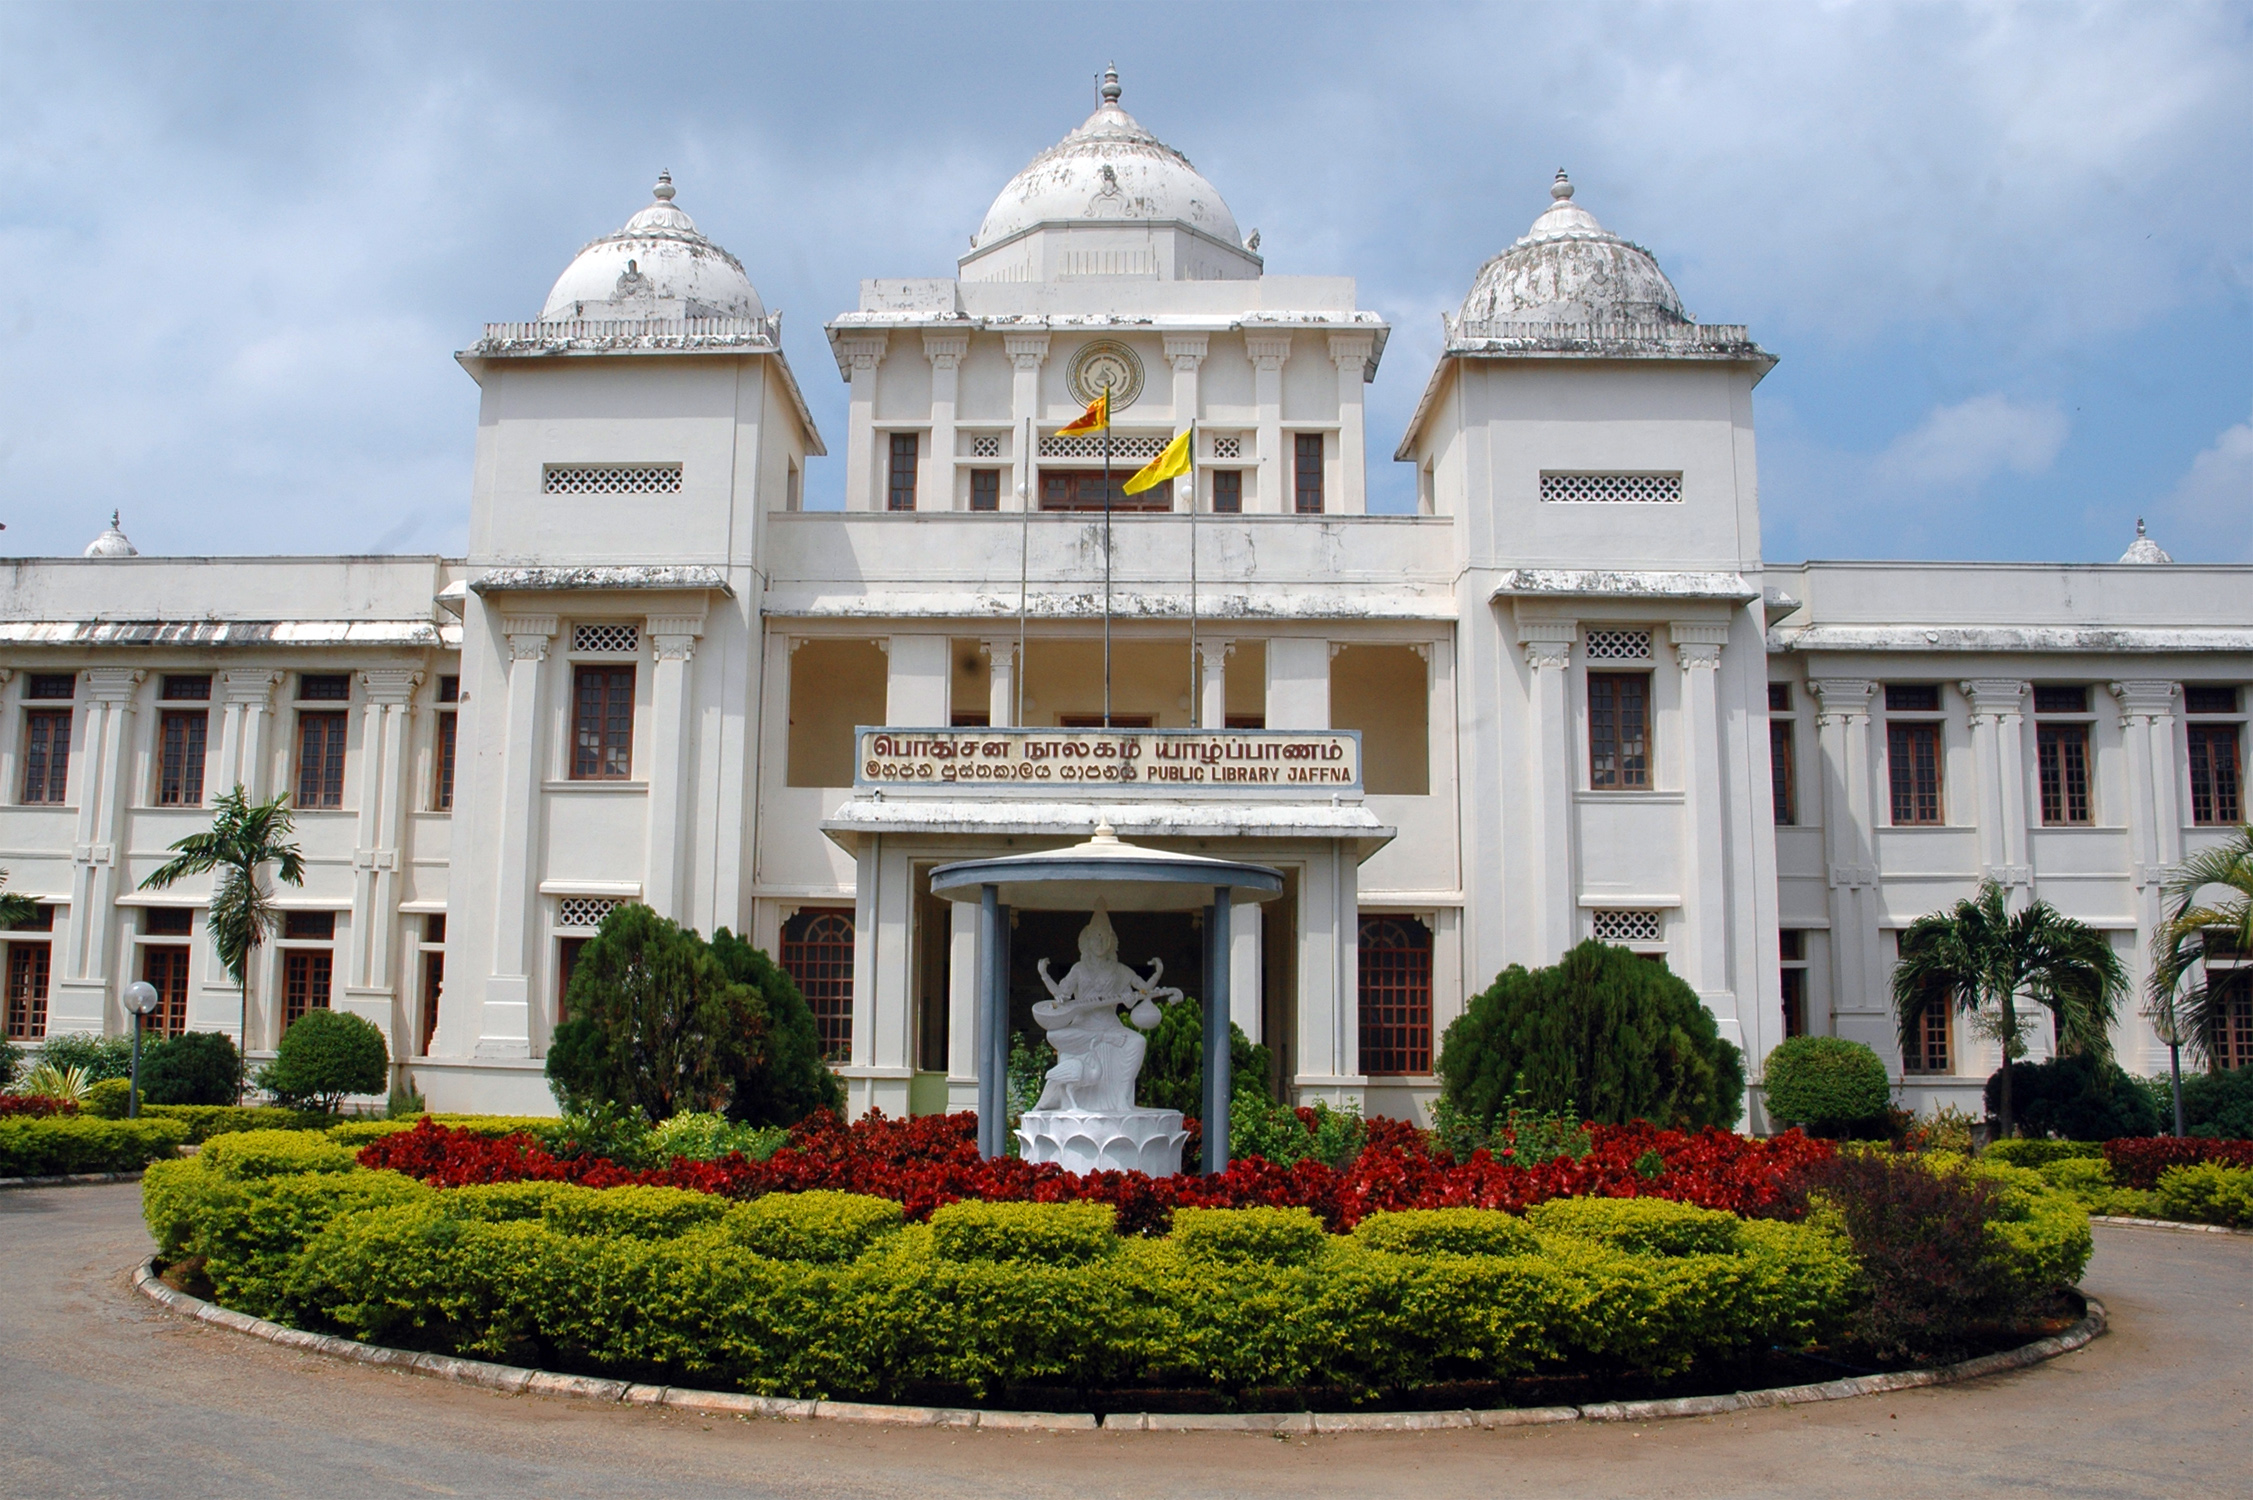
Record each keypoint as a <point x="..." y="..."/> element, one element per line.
<point x="817" y="950"/>
<point x="1396" y="996"/>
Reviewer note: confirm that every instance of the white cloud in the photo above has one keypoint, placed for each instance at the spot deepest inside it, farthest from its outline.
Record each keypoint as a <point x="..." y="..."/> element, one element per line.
<point x="2213" y="501"/>
<point x="1963" y="445"/>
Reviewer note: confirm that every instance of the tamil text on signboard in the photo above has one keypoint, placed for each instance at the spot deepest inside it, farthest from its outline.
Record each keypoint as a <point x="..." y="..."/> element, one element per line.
<point x="1156" y="760"/>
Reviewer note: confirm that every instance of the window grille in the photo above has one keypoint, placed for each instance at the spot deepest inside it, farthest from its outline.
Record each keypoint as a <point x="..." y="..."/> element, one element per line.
<point x="2061" y="700"/>
<point x="311" y="926"/>
<point x="1912" y="698"/>
<point x="28" y="965"/>
<point x="602" y="739"/>
<point x="2215" y="790"/>
<point x="900" y="494"/>
<point x="324" y="687"/>
<point x="180" y="742"/>
<point x="442" y="792"/>
<point x="817" y="951"/>
<point x="584" y="912"/>
<point x="46" y="754"/>
<point x="305" y="982"/>
<point x="2196" y="700"/>
<point x="1784" y="782"/>
<point x="1600" y="489"/>
<point x="61" y="686"/>
<point x="1617" y="645"/>
<point x="1779" y="697"/>
<point x="611" y="479"/>
<point x="606" y="640"/>
<point x="1619" y="722"/>
<point x="166" y="969"/>
<point x="320" y="760"/>
<point x="2062" y="768"/>
<point x="1396" y="996"/>
<point x="1614" y="926"/>
<point x="167" y="921"/>
<point x="1090" y="445"/>
<point x="2233" y="1039"/>
<point x="985" y="445"/>
<point x="195" y="688"/>
<point x="1228" y="492"/>
<point x="1228" y="447"/>
<point x="1912" y="753"/>
<point x="985" y="489"/>
<point x="1926" y="1048"/>
<point x="1307" y="475"/>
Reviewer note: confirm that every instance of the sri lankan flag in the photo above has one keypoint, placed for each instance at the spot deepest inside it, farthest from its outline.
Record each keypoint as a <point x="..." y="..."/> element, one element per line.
<point x="1171" y="464"/>
<point x="1094" y="419"/>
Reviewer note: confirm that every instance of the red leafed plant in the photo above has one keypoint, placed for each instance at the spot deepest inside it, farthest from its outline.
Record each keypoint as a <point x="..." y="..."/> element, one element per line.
<point x="930" y="1161"/>
<point x="2137" y="1163"/>
<point x="36" y="1104"/>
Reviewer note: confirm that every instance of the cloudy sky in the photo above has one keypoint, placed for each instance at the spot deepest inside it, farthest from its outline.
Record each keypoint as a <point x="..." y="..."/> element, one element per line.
<point x="2005" y="252"/>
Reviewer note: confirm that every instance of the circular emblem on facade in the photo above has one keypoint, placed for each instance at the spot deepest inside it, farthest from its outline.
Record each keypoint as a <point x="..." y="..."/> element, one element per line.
<point x="1106" y="362"/>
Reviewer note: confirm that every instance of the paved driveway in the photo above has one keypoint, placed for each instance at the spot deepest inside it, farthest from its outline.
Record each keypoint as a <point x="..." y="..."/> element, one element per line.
<point x="103" y="1394"/>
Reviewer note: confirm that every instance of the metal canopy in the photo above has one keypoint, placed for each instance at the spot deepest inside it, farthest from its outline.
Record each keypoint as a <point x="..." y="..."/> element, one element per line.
<point x="1122" y="876"/>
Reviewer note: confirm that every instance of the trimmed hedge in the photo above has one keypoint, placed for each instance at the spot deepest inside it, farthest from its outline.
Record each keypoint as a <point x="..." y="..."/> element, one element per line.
<point x="357" y="1133"/>
<point x="829" y="1294"/>
<point x="53" y="1145"/>
<point x="1826" y="1083"/>
<point x="2207" y="1193"/>
<point x="2033" y="1153"/>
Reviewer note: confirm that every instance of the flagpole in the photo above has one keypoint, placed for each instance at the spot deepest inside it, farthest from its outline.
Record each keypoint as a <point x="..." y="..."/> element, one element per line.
<point x="1025" y="457"/>
<point x="1196" y="697"/>
<point x="1106" y="554"/>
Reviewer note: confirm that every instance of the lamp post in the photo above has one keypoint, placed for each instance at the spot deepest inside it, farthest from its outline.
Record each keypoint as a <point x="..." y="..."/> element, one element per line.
<point x="2169" y="1028"/>
<point x="141" y="1001"/>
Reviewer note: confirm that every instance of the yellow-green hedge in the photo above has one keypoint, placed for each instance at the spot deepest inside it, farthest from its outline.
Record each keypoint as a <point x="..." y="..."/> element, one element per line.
<point x="54" y="1145"/>
<point x="829" y="1294"/>
<point x="2207" y="1193"/>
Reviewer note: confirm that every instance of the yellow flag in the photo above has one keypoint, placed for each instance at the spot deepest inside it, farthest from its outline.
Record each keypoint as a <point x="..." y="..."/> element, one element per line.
<point x="1094" y="419"/>
<point x="1170" y="464"/>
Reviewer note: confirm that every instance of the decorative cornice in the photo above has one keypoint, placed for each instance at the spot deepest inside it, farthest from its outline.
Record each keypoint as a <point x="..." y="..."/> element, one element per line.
<point x="945" y="350"/>
<point x="255" y="687"/>
<point x="2077" y="639"/>
<point x="1698" y="632"/>
<point x="1703" y="654"/>
<point x="390" y="686"/>
<point x="528" y="636"/>
<point x="1351" y="352"/>
<point x="1187" y="350"/>
<point x="861" y="351"/>
<point x="113" y="684"/>
<point x="1025" y="350"/>
<point x="2144" y="700"/>
<point x="602" y="580"/>
<point x="553" y="336"/>
<point x="1594" y="583"/>
<point x="1841" y="700"/>
<point x="1267" y="351"/>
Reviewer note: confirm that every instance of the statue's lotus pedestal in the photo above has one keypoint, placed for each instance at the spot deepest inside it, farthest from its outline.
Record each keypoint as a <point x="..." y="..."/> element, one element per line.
<point x="1136" y="1140"/>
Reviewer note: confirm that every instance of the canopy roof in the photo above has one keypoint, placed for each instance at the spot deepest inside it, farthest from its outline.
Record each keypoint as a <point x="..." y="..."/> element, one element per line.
<point x="1120" y="876"/>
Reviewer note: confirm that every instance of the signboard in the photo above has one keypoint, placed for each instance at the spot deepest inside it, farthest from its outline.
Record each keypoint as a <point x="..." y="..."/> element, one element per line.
<point x="1108" y="762"/>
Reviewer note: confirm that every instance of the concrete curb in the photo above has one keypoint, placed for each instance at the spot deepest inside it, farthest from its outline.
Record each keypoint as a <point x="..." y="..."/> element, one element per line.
<point x="73" y="1179"/>
<point x="515" y="1380"/>
<point x="2120" y="1223"/>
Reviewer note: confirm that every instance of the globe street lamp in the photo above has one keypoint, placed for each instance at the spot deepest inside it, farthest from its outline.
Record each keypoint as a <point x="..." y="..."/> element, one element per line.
<point x="2169" y="1027"/>
<point x="140" y="999"/>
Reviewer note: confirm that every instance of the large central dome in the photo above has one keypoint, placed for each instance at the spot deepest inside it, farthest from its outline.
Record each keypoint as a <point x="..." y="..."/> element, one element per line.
<point x="1110" y="174"/>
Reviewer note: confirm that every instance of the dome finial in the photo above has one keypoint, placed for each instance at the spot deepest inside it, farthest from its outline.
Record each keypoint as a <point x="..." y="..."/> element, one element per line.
<point x="2143" y="549"/>
<point x="2139" y="526"/>
<point x="1562" y="187"/>
<point x="663" y="192"/>
<point x="114" y="525"/>
<point x="1111" y="89"/>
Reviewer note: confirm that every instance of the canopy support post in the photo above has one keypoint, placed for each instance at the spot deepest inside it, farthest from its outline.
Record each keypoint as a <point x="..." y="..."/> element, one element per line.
<point x="1217" y="1080"/>
<point x="993" y="1023"/>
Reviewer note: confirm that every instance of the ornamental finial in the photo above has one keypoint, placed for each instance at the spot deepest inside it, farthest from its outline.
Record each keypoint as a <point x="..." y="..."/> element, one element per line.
<point x="1562" y="187"/>
<point x="663" y="192"/>
<point x="1111" y="89"/>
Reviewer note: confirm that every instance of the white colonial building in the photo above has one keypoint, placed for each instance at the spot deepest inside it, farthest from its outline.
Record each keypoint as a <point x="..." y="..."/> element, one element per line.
<point x="1566" y="697"/>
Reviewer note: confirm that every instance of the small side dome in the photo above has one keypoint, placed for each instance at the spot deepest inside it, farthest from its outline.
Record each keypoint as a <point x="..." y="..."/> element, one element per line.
<point x="112" y="543"/>
<point x="1570" y="269"/>
<point x="2143" y="549"/>
<point x="1110" y="168"/>
<point x="658" y="266"/>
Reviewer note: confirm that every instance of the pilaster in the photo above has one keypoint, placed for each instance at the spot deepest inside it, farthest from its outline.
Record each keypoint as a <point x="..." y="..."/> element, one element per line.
<point x="1554" y="774"/>
<point x="1186" y="352"/>
<point x="1859" y="992"/>
<point x="78" y="999"/>
<point x="1998" y="716"/>
<point x="2155" y="827"/>
<point x="672" y="735"/>
<point x="1697" y="649"/>
<point x="863" y="353"/>
<point x="387" y="701"/>
<point x="1351" y="352"/>
<point x="945" y="351"/>
<point x="1001" y="683"/>
<point x="1026" y="351"/>
<point x="1267" y="353"/>
<point x="505" y="1029"/>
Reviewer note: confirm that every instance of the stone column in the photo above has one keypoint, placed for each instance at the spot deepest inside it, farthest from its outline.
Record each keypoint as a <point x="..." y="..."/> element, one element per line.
<point x="1705" y="915"/>
<point x="1187" y="352"/>
<point x="1026" y="352"/>
<point x="2154" y="817"/>
<point x="78" y="997"/>
<point x="387" y="695"/>
<point x="863" y="353"/>
<point x="1001" y="682"/>
<point x="247" y="704"/>
<point x="1267" y="353"/>
<point x="945" y="351"/>
<point x="505" y="1030"/>
<point x="1212" y="683"/>
<point x="1553" y="772"/>
<point x="1860" y="999"/>
<point x="1351" y="351"/>
<point x="672" y="738"/>
<point x="1999" y="753"/>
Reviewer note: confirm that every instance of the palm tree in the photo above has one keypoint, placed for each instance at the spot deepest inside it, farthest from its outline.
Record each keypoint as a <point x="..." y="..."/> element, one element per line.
<point x="15" y="910"/>
<point x="242" y="839"/>
<point x="1981" y="958"/>
<point x="2191" y="929"/>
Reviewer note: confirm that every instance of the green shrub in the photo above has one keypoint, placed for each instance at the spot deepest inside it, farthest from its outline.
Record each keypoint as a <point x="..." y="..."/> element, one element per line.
<point x="56" y="1145"/>
<point x="242" y="1156"/>
<point x="507" y="1202"/>
<point x="2075" y="1098"/>
<point x="1173" y="1067"/>
<point x="1602" y="1031"/>
<point x="107" y="1100"/>
<point x="48" y="1081"/>
<point x="2218" y="1104"/>
<point x="820" y="1226"/>
<point x="1446" y="1231"/>
<point x="2088" y="1182"/>
<point x="11" y="1065"/>
<point x="197" y="1067"/>
<point x="711" y="1137"/>
<point x="254" y="1231"/>
<point x="99" y="1057"/>
<point x="1057" y="1234"/>
<point x="785" y="1079"/>
<point x="1267" y="1236"/>
<point x="1275" y="1133"/>
<point x="1645" y="1226"/>
<point x="2023" y="1152"/>
<point x="657" y="1025"/>
<point x="2207" y="1193"/>
<point x="325" y="1055"/>
<point x="1826" y="1083"/>
<point x="207" y="1120"/>
<point x="640" y="1213"/>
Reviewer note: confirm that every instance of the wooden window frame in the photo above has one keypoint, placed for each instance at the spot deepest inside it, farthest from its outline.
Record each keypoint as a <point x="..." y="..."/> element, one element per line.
<point x="1783" y="772"/>
<point x="2217" y="782"/>
<point x="1394" y="995"/>
<point x="817" y="951"/>
<point x="2234" y="1043"/>
<point x="1082" y="490"/>
<point x="1935" y="1054"/>
<point x="183" y="741"/>
<point x="308" y="975"/>
<point x="30" y="973"/>
<point x="46" y="757"/>
<point x="165" y="966"/>
<point x="1619" y="761"/>
<point x="2061" y="770"/>
<point x="1228" y="492"/>
<point x="1307" y="491"/>
<point x="602" y="728"/>
<point x="985" y="489"/>
<point x="320" y="785"/>
<point x="444" y="748"/>
<point x="433" y="986"/>
<point x="1907" y="800"/>
<point x="906" y="450"/>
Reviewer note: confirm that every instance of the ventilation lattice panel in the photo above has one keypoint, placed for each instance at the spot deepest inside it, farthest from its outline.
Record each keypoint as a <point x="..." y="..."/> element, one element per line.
<point x="1090" y="445"/>
<point x="985" y="445"/>
<point x="606" y="640"/>
<point x="585" y="912"/>
<point x="1631" y="489"/>
<point x="1618" y="645"/>
<point x="1228" y="447"/>
<point x="612" y="479"/>
<point x="1626" y="926"/>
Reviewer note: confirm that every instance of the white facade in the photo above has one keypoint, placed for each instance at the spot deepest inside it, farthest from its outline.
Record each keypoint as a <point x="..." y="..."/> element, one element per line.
<point x="654" y="658"/>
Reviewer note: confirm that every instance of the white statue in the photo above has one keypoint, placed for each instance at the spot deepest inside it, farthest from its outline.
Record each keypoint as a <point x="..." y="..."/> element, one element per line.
<point x="1086" y="1118"/>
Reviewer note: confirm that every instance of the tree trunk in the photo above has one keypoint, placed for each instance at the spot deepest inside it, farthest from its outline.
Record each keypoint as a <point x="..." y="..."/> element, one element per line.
<point x="2010" y="1037"/>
